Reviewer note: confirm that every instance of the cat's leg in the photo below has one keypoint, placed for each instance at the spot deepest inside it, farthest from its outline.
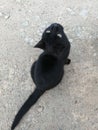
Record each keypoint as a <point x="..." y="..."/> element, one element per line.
<point x="32" y="71"/>
<point x="67" y="61"/>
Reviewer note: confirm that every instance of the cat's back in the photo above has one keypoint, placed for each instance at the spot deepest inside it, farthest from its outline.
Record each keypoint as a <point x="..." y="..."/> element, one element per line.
<point x="48" y="62"/>
<point x="48" y="70"/>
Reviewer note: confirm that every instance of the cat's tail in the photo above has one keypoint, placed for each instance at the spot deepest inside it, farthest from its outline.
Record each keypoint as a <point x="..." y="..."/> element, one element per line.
<point x="26" y="106"/>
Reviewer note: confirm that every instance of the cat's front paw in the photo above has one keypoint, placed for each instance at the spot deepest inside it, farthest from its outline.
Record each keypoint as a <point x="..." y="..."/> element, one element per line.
<point x="68" y="61"/>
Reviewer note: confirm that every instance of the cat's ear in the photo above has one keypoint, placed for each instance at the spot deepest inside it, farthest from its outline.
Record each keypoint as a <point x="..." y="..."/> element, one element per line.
<point x="40" y="45"/>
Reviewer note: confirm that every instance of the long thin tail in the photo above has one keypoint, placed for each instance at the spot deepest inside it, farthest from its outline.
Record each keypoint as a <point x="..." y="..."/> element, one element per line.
<point x="26" y="106"/>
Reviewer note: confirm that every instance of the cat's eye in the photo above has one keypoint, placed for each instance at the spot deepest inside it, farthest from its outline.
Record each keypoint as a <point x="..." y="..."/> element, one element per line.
<point x="59" y="35"/>
<point x="48" y="31"/>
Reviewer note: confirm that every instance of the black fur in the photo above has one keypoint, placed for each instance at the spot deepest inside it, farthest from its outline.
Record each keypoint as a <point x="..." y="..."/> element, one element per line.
<point x="48" y="70"/>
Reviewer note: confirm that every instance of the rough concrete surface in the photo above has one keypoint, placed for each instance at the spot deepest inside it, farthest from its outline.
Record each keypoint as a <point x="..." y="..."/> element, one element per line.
<point x="73" y="104"/>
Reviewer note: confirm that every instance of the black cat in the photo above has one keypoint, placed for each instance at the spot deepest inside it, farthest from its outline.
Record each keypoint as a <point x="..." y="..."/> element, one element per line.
<point x="48" y="70"/>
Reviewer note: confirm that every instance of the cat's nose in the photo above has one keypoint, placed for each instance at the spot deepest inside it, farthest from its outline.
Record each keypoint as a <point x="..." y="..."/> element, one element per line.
<point x="55" y="24"/>
<point x="55" y="27"/>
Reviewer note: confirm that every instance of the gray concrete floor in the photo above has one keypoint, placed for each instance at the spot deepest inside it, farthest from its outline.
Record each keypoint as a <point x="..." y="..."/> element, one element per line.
<point x="73" y="104"/>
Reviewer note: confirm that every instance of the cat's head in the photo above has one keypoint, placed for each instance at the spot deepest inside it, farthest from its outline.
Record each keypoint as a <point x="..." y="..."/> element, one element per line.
<point x="53" y="38"/>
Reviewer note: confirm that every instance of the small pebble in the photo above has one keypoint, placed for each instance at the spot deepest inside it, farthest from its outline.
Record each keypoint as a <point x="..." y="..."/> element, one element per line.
<point x="78" y="31"/>
<point x="25" y="23"/>
<point x="21" y="30"/>
<point x="39" y="32"/>
<point x="30" y="11"/>
<point x="26" y="39"/>
<point x="29" y="40"/>
<point x="1" y="14"/>
<point x="60" y="129"/>
<point x="35" y="18"/>
<point x="94" y="54"/>
<point x="11" y="72"/>
<point x="70" y="11"/>
<point x="7" y="16"/>
<point x="83" y="13"/>
<point x="43" y="26"/>
<point x="18" y="1"/>
<point x="91" y="47"/>
<point x="96" y="109"/>
<point x="76" y="101"/>
<point x="22" y="34"/>
<point x="40" y="108"/>
<point x="90" y="37"/>
<point x="71" y="40"/>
